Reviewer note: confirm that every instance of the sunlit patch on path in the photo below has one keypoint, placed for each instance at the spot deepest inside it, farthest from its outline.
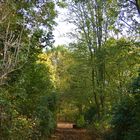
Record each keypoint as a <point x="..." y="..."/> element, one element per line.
<point x="65" y="125"/>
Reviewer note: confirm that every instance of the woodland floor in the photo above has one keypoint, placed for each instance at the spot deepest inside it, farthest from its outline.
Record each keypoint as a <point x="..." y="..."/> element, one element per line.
<point x="65" y="131"/>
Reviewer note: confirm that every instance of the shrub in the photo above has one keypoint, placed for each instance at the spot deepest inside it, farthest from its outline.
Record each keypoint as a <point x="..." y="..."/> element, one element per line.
<point x="90" y="114"/>
<point x="80" y="121"/>
<point x="126" y="119"/>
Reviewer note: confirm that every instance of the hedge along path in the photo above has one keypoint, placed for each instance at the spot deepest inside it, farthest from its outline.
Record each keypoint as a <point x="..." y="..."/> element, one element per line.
<point x="68" y="131"/>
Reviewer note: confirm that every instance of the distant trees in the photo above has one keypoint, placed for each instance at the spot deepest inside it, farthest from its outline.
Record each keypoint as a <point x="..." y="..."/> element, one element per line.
<point x="70" y="69"/>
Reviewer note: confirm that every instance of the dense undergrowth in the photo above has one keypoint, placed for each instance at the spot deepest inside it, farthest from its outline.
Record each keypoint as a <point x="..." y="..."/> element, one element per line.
<point x="28" y="105"/>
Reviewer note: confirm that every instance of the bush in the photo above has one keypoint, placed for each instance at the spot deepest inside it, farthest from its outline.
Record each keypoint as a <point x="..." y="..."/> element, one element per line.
<point x="126" y="119"/>
<point x="28" y="106"/>
<point x="80" y="121"/>
<point x="90" y="114"/>
<point x="13" y="125"/>
<point x="22" y="128"/>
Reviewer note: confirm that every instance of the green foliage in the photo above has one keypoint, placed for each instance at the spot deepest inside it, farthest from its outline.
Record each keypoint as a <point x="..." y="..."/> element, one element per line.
<point x="92" y="76"/>
<point x="62" y="4"/>
<point x="90" y="115"/>
<point x="14" y="125"/>
<point x="123" y="117"/>
<point x="135" y="86"/>
<point x="46" y="121"/>
<point x="28" y="106"/>
<point x="80" y="121"/>
<point x="126" y="119"/>
<point x="40" y="101"/>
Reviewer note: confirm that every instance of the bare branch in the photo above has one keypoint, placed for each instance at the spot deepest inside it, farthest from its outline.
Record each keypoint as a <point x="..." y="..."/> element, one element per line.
<point x="10" y="58"/>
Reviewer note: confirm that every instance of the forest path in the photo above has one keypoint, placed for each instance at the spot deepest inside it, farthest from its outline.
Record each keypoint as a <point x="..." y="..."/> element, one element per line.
<point x="65" y="131"/>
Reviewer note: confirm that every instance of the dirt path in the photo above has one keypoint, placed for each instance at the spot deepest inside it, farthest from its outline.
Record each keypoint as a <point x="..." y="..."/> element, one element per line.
<point x="65" y="125"/>
<point x="65" y="131"/>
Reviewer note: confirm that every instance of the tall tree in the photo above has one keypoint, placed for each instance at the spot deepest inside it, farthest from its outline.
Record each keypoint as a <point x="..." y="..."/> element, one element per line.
<point x="96" y="21"/>
<point x="18" y="22"/>
<point x="93" y="20"/>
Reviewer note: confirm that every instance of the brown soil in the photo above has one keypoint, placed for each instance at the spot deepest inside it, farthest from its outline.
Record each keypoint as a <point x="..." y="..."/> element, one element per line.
<point x="65" y="131"/>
